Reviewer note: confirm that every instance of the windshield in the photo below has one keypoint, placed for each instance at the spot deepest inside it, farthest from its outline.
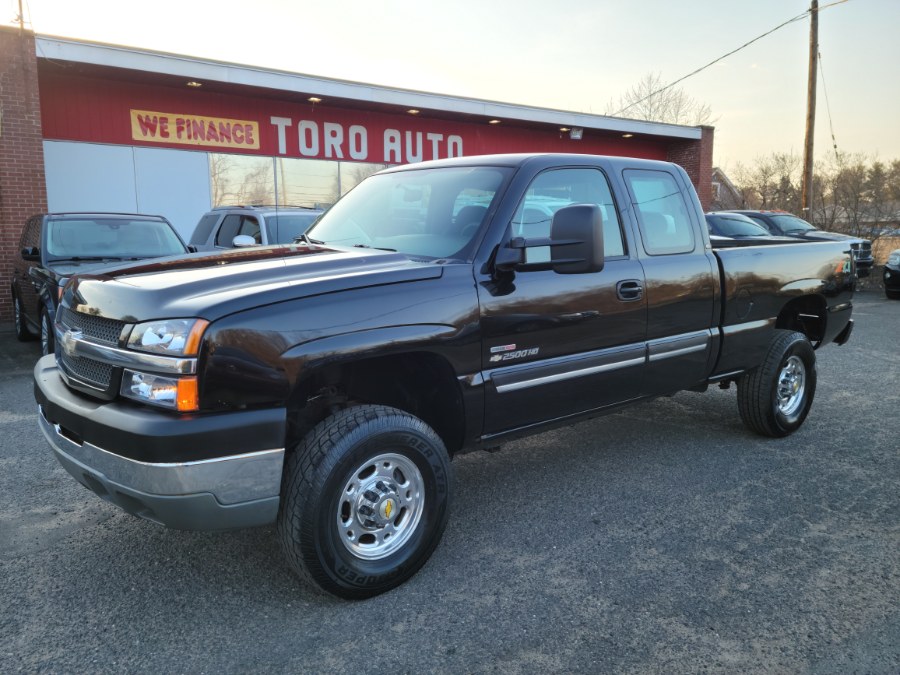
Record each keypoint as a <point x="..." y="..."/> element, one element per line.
<point x="790" y="223"/>
<point x="735" y="226"/>
<point x="427" y="213"/>
<point x="111" y="238"/>
<point x="283" y="229"/>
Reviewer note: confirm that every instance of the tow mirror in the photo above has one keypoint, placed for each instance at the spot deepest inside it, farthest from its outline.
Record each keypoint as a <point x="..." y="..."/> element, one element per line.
<point x="575" y="242"/>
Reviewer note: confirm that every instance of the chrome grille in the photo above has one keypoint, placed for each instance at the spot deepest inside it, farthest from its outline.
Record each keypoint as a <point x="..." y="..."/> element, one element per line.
<point x="93" y="372"/>
<point x="96" y="327"/>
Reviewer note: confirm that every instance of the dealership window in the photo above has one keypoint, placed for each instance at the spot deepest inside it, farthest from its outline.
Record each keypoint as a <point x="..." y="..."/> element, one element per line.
<point x="306" y="182"/>
<point x="241" y="179"/>
<point x="283" y="181"/>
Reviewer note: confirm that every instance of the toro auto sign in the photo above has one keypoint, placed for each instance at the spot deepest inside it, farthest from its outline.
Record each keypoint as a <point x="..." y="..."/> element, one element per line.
<point x="311" y="138"/>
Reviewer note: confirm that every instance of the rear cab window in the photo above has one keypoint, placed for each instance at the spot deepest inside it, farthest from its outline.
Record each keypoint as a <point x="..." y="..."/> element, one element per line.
<point x="663" y="217"/>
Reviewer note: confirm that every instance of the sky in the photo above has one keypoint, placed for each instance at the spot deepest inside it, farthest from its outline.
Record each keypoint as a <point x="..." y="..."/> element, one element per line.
<point x="577" y="55"/>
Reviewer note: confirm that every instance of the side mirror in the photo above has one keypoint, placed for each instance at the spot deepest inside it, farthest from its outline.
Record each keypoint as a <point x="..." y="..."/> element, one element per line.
<point x="243" y="241"/>
<point x="31" y="253"/>
<point x="576" y="236"/>
<point x="576" y="244"/>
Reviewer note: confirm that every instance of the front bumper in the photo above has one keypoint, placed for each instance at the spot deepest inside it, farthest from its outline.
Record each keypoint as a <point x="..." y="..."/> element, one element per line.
<point x="230" y="490"/>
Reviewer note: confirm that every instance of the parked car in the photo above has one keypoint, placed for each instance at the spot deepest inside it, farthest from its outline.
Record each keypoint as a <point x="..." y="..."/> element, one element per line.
<point x="892" y="275"/>
<point x="784" y="224"/>
<point x="734" y="225"/>
<point x="54" y="246"/>
<point x="241" y="226"/>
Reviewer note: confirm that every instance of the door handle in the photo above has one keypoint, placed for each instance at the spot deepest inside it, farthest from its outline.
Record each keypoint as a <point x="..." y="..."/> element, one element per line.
<point x="629" y="290"/>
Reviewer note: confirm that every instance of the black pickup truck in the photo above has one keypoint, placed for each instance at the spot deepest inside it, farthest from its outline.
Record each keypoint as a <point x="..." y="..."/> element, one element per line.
<point x="439" y="307"/>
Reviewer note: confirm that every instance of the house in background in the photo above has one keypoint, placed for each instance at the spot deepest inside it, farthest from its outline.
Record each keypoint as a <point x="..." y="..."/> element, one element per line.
<point x="725" y="196"/>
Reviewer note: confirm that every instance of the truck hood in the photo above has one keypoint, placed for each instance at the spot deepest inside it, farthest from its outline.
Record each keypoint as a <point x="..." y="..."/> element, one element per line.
<point x="821" y="235"/>
<point x="213" y="286"/>
<point x="62" y="269"/>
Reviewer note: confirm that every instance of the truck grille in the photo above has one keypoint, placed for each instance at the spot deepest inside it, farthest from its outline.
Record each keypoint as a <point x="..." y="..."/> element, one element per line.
<point x="100" y="378"/>
<point x="97" y="327"/>
<point x="92" y="372"/>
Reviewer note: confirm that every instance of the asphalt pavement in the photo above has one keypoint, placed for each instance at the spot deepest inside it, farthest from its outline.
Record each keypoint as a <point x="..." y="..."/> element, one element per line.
<point x="664" y="538"/>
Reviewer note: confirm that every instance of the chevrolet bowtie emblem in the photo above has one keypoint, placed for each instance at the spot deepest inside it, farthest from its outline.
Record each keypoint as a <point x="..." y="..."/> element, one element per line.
<point x="69" y="341"/>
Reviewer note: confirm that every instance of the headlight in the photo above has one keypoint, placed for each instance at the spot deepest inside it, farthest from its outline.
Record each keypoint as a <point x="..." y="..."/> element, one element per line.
<point x="175" y="393"/>
<point x="171" y="337"/>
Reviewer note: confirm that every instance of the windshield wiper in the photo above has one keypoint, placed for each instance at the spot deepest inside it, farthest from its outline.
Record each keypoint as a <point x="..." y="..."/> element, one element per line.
<point x="88" y="258"/>
<point x="376" y="248"/>
<point x="306" y="239"/>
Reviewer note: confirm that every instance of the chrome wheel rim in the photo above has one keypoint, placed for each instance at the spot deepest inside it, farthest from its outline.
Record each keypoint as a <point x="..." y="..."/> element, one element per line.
<point x="45" y="334"/>
<point x="791" y="386"/>
<point x="380" y="506"/>
<point x="17" y="311"/>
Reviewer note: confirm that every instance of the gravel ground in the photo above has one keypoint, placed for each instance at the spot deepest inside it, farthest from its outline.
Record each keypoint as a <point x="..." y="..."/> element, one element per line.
<point x="664" y="538"/>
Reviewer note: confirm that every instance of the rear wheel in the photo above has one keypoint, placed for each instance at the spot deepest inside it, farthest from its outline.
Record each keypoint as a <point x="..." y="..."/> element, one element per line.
<point x="364" y="500"/>
<point x="775" y="399"/>
<point x="22" y="332"/>
<point x="48" y="341"/>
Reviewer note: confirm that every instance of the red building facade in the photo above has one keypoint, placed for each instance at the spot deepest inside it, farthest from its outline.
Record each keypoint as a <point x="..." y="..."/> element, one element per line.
<point x="106" y="128"/>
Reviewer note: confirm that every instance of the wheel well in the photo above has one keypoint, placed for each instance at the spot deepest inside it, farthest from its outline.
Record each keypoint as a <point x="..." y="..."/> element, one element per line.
<point x="807" y="314"/>
<point x="420" y="383"/>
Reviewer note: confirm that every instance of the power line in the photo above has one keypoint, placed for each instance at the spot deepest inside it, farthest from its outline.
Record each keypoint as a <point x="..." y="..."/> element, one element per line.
<point x="828" y="108"/>
<point x="724" y="56"/>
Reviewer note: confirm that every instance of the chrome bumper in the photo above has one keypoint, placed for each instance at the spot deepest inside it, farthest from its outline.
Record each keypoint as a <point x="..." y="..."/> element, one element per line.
<point x="212" y="494"/>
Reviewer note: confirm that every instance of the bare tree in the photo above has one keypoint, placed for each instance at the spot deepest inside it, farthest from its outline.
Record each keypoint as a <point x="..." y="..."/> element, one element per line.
<point x="772" y="182"/>
<point x="650" y="100"/>
<point x="852" y="193"/>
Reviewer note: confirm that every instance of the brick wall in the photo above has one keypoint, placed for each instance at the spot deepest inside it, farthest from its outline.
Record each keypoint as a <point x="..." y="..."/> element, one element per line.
<point x="696" y="158"/>
<point x="23" y="189"/>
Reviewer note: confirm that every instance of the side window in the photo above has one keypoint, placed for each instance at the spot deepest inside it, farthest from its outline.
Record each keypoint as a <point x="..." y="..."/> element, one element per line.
<point x="664" y="221"/>
<point x="762" y="223"/>
<point x="551" y="191"/>
<point x="250" y="227"/>
<point x="204" y="227"/>
<point x="228" y="231"/>
<point x="31" y="235"/>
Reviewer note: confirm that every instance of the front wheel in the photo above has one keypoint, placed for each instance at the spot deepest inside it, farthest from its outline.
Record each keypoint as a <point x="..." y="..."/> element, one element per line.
<point x="364" y="500"/>
<point x="775" y="399"/>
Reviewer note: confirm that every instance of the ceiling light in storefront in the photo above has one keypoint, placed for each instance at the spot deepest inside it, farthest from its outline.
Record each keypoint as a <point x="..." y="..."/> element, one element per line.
<point x="413" y="111"/>
<point x="194" y="84"/>
<point x="494" y="122"/>
<point x="314" y="99"/>
<point x="627" y="135"/>
<point x="564" y="129"/>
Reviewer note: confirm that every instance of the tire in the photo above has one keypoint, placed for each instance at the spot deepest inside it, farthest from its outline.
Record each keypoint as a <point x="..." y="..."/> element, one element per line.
<point x="892" y="295"/>
<point x="775" y="399"/>
<point x="22" y="332"/>
<point x="48" y="339"/>
<point x="341" y="487"/>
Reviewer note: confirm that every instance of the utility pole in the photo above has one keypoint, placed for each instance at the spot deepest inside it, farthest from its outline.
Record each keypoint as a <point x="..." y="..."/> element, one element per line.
<point x="806" y="183"/>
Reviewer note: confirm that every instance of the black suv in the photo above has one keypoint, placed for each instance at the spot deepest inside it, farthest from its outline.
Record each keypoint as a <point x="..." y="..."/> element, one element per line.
<point x="54" y="246"/>
<point x="784" y="224"/>
<point x="241" y="226"/>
